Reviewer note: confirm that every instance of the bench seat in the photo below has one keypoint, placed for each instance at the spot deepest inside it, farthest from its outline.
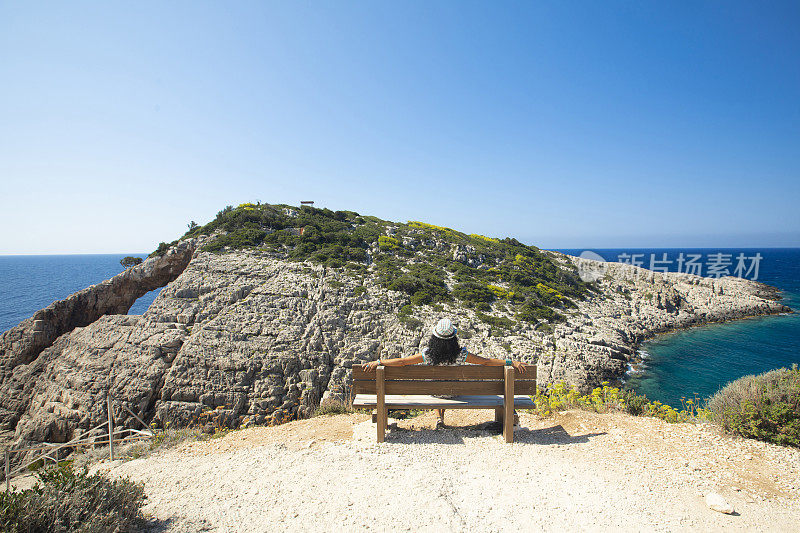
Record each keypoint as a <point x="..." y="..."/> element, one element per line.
<point x="421" y="401"/>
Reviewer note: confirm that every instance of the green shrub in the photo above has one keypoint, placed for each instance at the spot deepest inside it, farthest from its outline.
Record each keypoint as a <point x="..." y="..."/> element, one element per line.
<point x="635" y="404"/>
<point x="533" y="313"/>
<point x="65" y="500"/>
<point x="163" y="247"/>
<point x="405" y="311"/>
<point x="423" y="282"/>
<point x="239" y="238"/>
<point x="422" y="297"/>
<point x="495" y="321"/>
<point x="474" y="295"/>
<point x="411" y="322"/>
<point x="130" y="261"/>
<point x="332" y="408"/>
<point x="764" y="407"/>
<point x="404" y="314"/>
<point x="358" y="291"/>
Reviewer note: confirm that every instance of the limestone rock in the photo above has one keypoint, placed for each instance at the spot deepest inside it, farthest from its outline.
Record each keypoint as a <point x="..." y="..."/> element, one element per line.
<point x="248" y="336"/>
<point x="717" y="502"/>
<point x="23" y="343"/>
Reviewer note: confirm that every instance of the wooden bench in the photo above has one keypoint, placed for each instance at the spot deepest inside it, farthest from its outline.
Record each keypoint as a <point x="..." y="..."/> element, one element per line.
<point x="469" y="387"/>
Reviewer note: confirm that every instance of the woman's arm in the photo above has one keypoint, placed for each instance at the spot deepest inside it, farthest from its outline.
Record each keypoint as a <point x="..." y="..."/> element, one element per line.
<point x="399" y="361"/>
<point x="478" y="360"/>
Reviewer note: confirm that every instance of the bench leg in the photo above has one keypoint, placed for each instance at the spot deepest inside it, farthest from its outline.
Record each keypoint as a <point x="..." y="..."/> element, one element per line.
<point x="381" y="401"/>
<point x="375" y="417"/>
<point x="508" y="405"/>
<point x="381" y="424"/>
<point x="498" y="414"/>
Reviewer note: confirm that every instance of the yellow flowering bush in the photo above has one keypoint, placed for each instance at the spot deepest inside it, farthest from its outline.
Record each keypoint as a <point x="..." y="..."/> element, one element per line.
<point x="605" y="398"/>
<point x="501" y="292"/>
<point x="483" y="238"/>
<point x="388" y="243"/>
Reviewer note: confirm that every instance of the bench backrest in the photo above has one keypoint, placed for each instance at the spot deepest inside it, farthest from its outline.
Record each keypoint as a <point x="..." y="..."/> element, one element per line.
<point x="455" y="380"/>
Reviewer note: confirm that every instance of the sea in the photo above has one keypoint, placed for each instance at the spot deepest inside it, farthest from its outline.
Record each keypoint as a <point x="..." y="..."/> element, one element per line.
<point x="688" y="364"/>
<point x="697" y="362"/>
<point x="30" y="282"/>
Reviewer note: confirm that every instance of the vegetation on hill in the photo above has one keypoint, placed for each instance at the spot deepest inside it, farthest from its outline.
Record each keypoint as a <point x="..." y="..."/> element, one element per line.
<point x="428" y="263"/>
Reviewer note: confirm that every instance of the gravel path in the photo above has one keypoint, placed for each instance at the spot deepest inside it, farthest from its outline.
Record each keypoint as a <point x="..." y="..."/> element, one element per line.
<point x="579" y="471"/>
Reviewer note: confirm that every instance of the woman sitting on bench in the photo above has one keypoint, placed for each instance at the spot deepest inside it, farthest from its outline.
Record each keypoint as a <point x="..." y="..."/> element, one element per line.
<point x="443" y="349"/>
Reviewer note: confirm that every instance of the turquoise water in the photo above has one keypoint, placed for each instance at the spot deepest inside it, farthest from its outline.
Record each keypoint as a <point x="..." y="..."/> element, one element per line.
<point x="699" y="361"/>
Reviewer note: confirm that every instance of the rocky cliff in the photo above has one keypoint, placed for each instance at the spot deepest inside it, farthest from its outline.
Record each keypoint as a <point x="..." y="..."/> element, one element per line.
<point x="249" y="336"/>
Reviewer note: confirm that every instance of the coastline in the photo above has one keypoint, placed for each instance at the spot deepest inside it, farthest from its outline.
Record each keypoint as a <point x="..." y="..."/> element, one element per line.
<point x="638" y="347"/>
<point x="701" y="360"/>
<point x="642" y="305"/>
<point x="255" y="337"/>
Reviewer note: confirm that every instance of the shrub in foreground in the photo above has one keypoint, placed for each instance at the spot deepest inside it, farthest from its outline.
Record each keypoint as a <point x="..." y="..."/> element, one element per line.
<point x="333" y="408"/>
<point x="606" y="398"/>
<point x="764" y="407"/>
<point x="65" y="500"/>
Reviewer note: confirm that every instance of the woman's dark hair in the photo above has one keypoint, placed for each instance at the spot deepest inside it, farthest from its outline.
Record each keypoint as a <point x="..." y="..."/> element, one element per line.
<point x="443" y="351"/>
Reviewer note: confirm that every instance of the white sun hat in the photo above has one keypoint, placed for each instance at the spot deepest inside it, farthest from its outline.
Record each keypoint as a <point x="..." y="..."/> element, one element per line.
<point x="444" y="329"/>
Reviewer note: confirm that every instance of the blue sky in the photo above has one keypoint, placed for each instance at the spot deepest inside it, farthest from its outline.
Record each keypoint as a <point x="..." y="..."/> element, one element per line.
<point x="564" y="124"/>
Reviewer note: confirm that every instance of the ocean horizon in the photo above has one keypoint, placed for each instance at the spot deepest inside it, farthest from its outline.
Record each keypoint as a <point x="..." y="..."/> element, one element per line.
<point x="684" y="364"/>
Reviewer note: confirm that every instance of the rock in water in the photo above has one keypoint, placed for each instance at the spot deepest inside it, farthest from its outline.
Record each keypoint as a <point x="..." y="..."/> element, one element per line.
<point x="717" y="503"/>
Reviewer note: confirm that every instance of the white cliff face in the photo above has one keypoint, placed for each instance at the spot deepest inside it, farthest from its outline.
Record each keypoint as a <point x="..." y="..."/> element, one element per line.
<point x="256" y="339"/>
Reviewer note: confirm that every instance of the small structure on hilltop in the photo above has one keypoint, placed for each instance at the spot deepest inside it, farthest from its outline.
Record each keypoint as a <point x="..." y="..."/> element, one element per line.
<point x="307" y="202"/>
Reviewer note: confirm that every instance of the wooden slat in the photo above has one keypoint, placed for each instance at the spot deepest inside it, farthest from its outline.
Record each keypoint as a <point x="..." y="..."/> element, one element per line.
<point x="468" y="372"/>
<point x="508" y="415"/>
<point x="419" y="401"/>
<point x="434" y="387"/>
<point x="443" y="387"/>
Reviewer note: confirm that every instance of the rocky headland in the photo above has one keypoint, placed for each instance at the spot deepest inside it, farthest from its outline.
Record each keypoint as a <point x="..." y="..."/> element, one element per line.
<point x="260" y="321"/>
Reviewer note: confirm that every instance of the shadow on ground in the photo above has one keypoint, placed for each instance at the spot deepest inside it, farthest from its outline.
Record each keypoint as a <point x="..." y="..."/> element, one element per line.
<point x="158" y="525"/>
<point x="458" y="434"/>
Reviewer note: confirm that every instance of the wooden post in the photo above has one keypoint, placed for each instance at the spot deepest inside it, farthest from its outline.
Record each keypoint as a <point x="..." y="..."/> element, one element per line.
<point x="139" y="419"/>
<point x="380" y="390"/>
<point x="498" y="414"/>
<point x="8" y="472"/>
<point x="508" y="418"/>
<point x="110" y="427"/>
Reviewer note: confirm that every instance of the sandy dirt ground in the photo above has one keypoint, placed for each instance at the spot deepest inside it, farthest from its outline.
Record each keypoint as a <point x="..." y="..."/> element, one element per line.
<point x="578" y="471"/>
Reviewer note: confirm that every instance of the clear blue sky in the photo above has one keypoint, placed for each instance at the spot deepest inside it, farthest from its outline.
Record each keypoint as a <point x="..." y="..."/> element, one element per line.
<point x="564" y="124"/>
